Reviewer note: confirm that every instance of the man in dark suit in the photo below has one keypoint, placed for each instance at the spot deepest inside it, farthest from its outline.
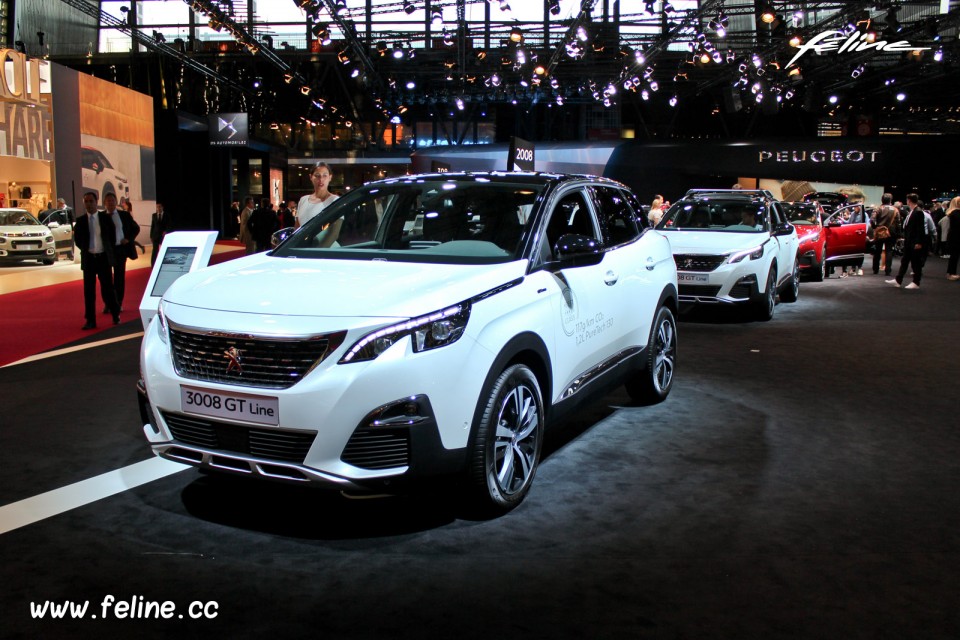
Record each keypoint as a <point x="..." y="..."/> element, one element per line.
<point x="125" y="230"/>
<point x="916" y="244"/>
<point x="159" y="223"/>
<point x="94" y="234"/>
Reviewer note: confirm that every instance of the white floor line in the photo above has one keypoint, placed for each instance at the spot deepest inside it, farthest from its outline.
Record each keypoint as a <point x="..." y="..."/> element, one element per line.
<point x="52" y="503"/>
<point x="61" y="352"/>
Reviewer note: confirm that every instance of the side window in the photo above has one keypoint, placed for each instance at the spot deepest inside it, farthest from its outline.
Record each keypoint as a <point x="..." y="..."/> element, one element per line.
<point x="776" y="216"/>
<point x="570" y="215"/>
<point x="640" y="215"/>
<point x="617" y="218"/>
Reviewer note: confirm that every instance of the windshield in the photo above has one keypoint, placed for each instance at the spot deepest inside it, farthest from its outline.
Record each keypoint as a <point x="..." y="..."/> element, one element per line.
<point x="802" y="214"/>
<point x="443" y="221"/>
<point x="19" y="218"/>
<point x="738" y="216"/>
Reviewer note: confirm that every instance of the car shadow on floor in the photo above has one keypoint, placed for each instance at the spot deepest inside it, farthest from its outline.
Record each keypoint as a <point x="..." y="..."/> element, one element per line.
<point x="309" y="513"/>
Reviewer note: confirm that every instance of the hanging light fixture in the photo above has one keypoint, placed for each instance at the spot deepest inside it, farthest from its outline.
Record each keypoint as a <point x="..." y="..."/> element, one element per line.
<point x="516" y="35"/>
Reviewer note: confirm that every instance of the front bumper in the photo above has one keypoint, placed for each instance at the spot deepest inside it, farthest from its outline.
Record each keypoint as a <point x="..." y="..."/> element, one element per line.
<point x="727" y="285"/>
<point x="329" y="433"/>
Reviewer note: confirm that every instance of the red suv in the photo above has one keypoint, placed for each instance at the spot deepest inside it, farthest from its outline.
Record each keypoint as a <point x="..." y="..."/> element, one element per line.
<point x="826" y="241"/>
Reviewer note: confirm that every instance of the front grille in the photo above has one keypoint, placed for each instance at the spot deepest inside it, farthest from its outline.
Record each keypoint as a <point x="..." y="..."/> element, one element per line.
<point x="247" y="360"/>
<point x="378" y="449"/>
<point x="691" y="262"/>
<point x="288" y="446"/>
<point x="740" y="290"/>
<point x="699" y="290"/>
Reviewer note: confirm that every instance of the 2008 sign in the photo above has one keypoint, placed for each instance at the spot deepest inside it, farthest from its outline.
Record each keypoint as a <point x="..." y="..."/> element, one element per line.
<point x="525" y="155"/>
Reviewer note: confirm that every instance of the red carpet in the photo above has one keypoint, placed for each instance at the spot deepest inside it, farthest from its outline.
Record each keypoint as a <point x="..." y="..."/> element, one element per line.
<point x="48" y="317"/>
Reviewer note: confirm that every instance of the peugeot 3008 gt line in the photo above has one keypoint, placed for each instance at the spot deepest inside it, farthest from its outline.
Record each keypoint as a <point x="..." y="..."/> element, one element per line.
<point x="422" y="326"/>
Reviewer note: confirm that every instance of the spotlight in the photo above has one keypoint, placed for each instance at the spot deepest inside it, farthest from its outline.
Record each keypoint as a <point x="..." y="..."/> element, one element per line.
<point x="158" y="37"/>
<point x="381" y="47"/>
<point x="795" y="40"/>
<point x="705" y="57"/>
<point x="411" y="84"/>
<point x="408" y="7"/>
<point x="436" y="17"/>
<point x="555" y="7"/>
<point x="833" y="99"/>
<point x="343" y="57"/>
<point x="516" y="35"/>
<point x="901" y="97"/>
<point x="397" y="51"/>
<point x="938" y="55"/>
<point x="322" y="32"/>
<point x="673" y="101"/>
<point x="539" y="70"/>
<point x="504" y="5"/>
<point x="768" y="14"/>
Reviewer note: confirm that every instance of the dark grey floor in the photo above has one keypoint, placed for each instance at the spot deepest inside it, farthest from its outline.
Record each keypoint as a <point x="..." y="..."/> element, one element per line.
<point x="801" y="481"/>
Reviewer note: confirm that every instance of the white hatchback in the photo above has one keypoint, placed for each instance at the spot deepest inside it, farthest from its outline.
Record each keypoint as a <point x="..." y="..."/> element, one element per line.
<point x="424" y="326"/>
<point x="733" y="247"/>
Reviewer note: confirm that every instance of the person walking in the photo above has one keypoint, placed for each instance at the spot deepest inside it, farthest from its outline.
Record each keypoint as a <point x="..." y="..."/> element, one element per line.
<point x="95" y="235"/>
<point x="953" y="238"/>
<point x="885" y="224"/>
<point x="916" y="244"/>
<point x="124" y="245"/>
<point x="158" y="229"/>
<point x="321" y="198"/>
<point x="246" y="237"/>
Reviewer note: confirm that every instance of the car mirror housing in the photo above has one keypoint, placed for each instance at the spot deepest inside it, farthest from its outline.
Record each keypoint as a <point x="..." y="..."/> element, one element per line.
<point x="783" y="230"/>
<point x="573" y="249"/>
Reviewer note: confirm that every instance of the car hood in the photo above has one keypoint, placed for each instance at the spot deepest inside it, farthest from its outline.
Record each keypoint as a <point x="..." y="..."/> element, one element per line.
<point x="713" y="242"/>
<point x="262" y="284"/>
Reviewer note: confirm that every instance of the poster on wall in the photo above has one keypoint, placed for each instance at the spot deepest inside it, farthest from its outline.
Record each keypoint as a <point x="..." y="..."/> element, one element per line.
<point x="117" y="146"/>
<point x="795" y="190"/>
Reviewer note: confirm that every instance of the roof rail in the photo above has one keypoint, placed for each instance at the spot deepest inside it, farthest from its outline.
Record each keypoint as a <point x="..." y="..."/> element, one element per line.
<point x="763" y="192"/>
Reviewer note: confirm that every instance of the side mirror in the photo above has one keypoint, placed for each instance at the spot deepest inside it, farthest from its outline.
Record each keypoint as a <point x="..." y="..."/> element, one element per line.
<point x="783" y="230"/>
<point x="53" y="225"/>
<point x="573" y="249"/>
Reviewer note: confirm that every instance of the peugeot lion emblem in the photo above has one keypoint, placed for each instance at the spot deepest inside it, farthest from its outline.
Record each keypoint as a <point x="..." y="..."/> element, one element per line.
<point x="234" y="354"/>
<point x="687" y="263"/>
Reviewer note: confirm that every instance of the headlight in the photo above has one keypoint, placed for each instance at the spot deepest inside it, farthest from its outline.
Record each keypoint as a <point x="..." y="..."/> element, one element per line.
<point x="49" y="238"/>
<point x="427" y="332"/>
<point x="162" y="326"/>
<point x="754" y="254"/>
<point x="811" y="237"/>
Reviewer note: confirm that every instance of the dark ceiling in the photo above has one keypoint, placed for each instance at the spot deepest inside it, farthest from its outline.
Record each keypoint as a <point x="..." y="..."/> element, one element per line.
<point x="662" y="72"/>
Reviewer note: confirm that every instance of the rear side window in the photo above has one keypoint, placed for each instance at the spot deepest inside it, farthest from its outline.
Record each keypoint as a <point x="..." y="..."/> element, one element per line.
<point x="617" y="217"/>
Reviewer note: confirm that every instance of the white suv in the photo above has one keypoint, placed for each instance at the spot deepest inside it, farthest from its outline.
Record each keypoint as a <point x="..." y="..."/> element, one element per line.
<point x="733" y="247"/>
<point x="423" y="326"/>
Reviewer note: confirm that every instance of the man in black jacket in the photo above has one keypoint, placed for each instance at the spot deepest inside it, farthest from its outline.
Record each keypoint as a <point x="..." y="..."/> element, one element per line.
<point x="125" y="234"/>
<point x="159" y="224"/>
<point x="886" y="216"/>
<point x="94" y="234"/>
<point x="916" y="243"/>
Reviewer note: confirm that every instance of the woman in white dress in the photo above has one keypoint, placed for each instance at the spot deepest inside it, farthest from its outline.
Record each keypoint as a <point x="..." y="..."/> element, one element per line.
<point x="312" y="204"/>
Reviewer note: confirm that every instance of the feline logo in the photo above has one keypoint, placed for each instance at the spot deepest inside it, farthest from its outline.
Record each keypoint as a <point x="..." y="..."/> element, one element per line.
<point x="854" y="43"/>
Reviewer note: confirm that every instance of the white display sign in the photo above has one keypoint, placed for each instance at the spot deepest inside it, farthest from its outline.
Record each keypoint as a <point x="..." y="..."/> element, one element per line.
<point x="180" y="253"/>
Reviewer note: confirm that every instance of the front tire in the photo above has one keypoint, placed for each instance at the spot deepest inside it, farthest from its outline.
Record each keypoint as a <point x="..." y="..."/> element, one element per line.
<point x="509" y="438"/>
<point x="768" y="301"/>
<point x="792" y="290"/>
<point x="653" y="383"/>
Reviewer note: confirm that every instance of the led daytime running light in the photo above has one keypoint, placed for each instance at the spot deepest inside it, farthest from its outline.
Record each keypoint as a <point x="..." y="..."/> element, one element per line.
<point x="408" y="327"/>
<point x="755" y="254"/>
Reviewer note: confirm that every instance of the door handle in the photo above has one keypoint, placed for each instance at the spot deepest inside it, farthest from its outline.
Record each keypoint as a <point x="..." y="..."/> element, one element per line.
<point x="610" y="278"/>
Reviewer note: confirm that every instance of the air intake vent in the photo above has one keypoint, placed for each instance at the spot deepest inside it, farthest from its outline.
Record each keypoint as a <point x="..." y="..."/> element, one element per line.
<point x="288" y="446"/>
<point x="378" y="449"/>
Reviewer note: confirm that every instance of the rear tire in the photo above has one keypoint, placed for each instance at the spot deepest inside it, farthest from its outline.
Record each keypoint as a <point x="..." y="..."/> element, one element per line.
<point x="509" y="438"/>
<point x="652" y="384"/>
